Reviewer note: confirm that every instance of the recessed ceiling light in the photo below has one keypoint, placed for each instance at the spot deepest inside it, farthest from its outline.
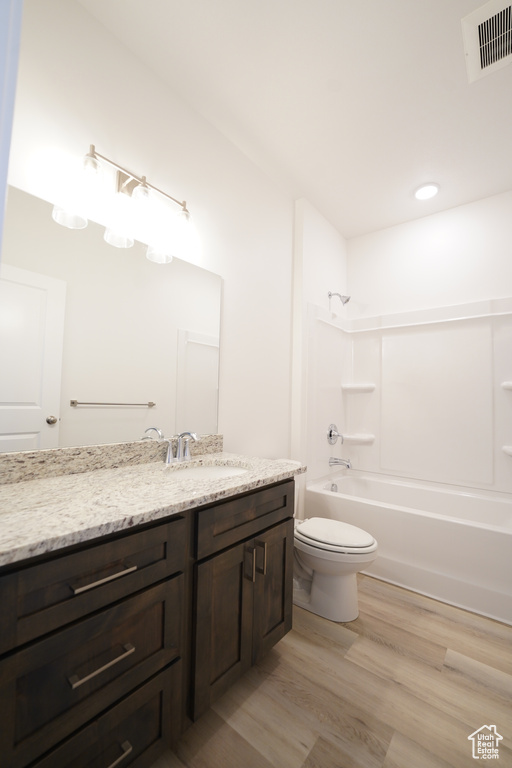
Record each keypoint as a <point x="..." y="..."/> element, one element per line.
<point x="426" y="191"/>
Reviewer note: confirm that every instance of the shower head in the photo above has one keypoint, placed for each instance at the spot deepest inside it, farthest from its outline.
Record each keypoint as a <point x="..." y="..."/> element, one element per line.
<point x="343" y="299"/>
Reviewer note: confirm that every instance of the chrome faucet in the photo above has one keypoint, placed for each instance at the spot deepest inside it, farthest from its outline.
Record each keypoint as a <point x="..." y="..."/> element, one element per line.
<point x="153" y="429"/>
<point x="343" y="462"/>
<point x="183" y="451"/>
<point x="169" y="456"/>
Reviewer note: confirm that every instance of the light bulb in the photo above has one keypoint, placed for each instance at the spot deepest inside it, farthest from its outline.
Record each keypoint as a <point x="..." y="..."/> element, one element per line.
<point x="92" y="166"/>
<point x="141" y="192"/>
<point x="158" y="255"/>
<point x="119" y="228"/>
<point x="117" y="238"/>
<point x="188" y="245"/>
<point x="68" y="218"/>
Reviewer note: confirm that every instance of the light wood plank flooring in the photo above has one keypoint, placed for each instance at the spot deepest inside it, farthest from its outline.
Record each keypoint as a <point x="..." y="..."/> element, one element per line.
<point x="403" y="686"/>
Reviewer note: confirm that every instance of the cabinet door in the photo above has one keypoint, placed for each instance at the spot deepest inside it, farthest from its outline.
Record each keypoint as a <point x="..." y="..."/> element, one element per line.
<point x="224" y="623"/>
<point x="273" y="587"/>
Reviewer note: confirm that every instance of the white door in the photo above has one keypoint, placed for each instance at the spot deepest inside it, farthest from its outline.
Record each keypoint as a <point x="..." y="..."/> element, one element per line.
<point x="197" y="382"/>
<point x="31" y="334"/>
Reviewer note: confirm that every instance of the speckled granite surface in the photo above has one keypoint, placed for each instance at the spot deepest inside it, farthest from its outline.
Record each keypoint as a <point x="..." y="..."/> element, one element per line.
<point x="31" y="465"/>
<point x="46" y="514"/>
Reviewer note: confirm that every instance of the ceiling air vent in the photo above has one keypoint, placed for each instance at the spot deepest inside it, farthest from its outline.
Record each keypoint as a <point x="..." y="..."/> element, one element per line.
<point x="488" y="38"/>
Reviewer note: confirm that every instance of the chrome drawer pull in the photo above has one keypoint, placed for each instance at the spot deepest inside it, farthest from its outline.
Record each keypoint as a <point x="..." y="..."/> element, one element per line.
<point x="127" y="748"/>
<point x="76" y="681"/>
<point x="249" y="552"/>
<point x="263" y="544"/>
<point x="79" y="590"/>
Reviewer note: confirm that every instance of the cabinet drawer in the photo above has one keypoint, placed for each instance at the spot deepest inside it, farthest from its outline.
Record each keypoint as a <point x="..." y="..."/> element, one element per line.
<point x="54" y="686"/>
<point x="41" y="598"/>
<point x="228" y="523"/>
<point x="132" y="733"/>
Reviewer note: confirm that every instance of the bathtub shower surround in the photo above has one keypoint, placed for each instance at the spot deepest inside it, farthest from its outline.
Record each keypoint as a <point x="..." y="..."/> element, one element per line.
<point x="432" y="539"/>
<point x="423" y="395"/>
<point x="424" y="402"/>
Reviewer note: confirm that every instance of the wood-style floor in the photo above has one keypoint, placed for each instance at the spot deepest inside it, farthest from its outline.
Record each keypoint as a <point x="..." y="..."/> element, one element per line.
<point x="403" y="686"/>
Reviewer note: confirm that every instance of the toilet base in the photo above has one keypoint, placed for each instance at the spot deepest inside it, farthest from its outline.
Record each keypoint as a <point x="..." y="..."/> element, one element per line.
<point x="334" y="598"/>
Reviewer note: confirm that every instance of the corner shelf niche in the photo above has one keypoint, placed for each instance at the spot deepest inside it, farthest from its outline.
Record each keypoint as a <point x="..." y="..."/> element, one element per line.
<point x="356" y="389"/>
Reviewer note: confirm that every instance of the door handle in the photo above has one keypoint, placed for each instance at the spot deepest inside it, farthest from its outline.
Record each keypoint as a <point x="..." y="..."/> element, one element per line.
<point x="127" y="749"/>
<point x="51" y="419"/>
<point x="251" y="552"/>
<point x="262" y="545"/>
<point x="93" y="584"/>
<point x="76" y="682"/>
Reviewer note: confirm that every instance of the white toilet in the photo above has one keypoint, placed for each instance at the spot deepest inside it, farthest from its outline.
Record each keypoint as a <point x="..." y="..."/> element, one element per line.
<point x="331" y="553"/>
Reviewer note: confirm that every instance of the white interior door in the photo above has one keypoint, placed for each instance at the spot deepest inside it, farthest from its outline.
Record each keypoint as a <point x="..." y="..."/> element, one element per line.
<point x="31" y="334"/>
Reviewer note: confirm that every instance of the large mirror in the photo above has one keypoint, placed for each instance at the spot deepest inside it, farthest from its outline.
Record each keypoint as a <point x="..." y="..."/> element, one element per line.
<point x="97" y="343"/>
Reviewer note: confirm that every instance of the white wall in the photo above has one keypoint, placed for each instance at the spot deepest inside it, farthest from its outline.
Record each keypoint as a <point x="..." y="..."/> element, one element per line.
<point x="324" y="257"/>
<point x="459" y="256"/>
<point x="320" y="266"/>
<point x="77" y="86"/>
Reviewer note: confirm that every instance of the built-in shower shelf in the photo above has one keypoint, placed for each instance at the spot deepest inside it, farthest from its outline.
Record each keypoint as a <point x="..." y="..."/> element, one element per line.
<point x="507" y="449"/>
<point x="359" y="439"/>
<point x="367" y="386"/>
<point x="507" y="385"/>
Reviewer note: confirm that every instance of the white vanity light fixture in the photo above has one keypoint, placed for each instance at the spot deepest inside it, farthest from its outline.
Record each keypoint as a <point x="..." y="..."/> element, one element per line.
<point x="70" y="212"/>
<point x="156" y="219"/>
<point x="142" y="213"/>
<point x="158" y="254"/>
<point x="91" y="164"/>
<point x="427" y="191"/>
<point x="66" y="217"/>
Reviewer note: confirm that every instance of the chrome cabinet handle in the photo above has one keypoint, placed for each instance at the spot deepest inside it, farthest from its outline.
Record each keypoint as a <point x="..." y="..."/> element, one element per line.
<point x="251" y="552"/>
<point x="127" y="748"/>
<point x="263" y="545"/>
<point x="79" y="590"/>
<point x="76" y="682"/>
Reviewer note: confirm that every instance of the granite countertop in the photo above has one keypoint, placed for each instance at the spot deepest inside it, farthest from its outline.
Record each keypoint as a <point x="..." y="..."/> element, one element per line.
<point x="45" y="515"/>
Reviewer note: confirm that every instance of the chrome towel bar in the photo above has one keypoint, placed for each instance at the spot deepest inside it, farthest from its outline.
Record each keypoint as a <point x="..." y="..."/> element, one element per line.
<point x="74" y="403"/>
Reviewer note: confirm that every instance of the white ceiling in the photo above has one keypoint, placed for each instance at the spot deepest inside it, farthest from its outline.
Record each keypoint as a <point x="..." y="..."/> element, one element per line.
<point x="349" y="103"/>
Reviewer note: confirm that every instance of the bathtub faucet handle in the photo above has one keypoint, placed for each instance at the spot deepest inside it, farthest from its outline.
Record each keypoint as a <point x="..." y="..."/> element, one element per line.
<point x="333" y="434"/>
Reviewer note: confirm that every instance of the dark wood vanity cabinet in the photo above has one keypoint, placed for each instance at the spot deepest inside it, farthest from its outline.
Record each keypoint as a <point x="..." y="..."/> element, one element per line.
<point x="93" y="643"/>
<point x="243" y="591"/>
<point x="108" y="648"/>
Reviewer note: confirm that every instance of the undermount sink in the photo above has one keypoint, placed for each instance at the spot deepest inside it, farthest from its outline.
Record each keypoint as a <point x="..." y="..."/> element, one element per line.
<point x="206" y="472"/>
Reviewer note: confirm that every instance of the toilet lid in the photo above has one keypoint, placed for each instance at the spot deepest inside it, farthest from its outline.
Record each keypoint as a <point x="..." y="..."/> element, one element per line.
<point x="335" y="533"/>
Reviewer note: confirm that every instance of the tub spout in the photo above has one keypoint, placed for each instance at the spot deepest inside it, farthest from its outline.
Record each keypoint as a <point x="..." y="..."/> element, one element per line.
<point x="333" y="461"/>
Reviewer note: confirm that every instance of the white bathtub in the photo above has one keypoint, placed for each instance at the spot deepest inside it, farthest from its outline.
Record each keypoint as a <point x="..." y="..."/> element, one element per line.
<point x="443" y="542"/>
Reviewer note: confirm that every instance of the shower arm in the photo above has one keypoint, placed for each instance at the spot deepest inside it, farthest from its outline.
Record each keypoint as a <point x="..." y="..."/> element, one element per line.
<point x="344" y="299"/>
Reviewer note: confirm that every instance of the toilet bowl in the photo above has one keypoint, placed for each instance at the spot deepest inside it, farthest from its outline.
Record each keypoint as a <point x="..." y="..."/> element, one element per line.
<point x="332" y="553"/>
